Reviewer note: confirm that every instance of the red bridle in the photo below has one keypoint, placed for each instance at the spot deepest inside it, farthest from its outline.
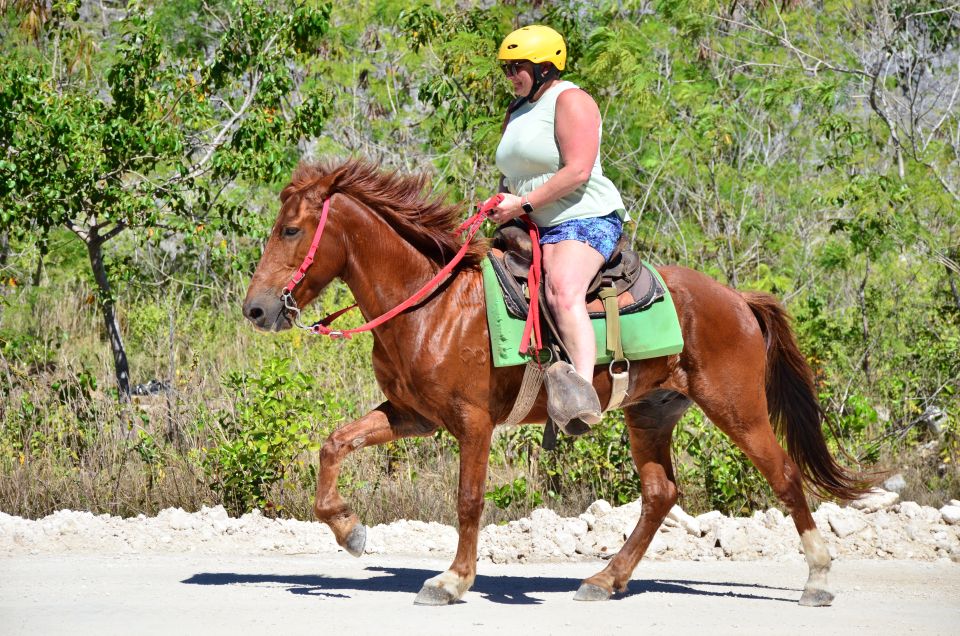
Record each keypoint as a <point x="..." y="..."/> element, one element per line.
<point x="321" y="327"/>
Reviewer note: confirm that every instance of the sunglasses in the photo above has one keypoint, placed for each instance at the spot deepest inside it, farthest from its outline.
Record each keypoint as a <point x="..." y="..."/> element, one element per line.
<point x="512" y="68"/>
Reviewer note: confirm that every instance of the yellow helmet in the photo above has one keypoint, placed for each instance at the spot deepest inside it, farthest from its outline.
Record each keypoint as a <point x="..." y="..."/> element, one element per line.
<point x="536" y="43"/>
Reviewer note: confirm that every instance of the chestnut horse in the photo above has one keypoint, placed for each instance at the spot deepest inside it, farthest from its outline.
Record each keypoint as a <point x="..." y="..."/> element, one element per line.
<point x="384" y="237"/>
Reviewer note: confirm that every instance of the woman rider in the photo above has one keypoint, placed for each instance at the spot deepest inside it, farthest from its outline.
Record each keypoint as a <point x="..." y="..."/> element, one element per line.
<point x="549" y="157"/>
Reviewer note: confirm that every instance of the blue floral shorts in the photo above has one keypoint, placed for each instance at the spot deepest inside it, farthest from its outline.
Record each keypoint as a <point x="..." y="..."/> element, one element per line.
<point x="599" y="232"/>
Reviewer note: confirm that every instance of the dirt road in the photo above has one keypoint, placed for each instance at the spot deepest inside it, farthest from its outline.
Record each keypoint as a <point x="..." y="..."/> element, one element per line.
<point x="336" y="594"/>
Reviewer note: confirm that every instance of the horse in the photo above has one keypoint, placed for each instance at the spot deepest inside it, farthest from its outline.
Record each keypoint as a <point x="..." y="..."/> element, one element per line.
<point x="386" y="235"/>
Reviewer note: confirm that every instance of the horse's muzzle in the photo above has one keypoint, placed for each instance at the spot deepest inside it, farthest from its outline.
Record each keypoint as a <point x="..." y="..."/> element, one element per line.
<point x="266" y="312"/>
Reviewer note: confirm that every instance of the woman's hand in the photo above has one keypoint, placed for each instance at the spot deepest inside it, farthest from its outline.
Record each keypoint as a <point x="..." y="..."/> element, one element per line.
<point x="509" y="208"/>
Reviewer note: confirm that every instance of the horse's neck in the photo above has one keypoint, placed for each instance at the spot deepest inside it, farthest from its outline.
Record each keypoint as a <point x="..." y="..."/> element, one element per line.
<point x="383" y="269"/>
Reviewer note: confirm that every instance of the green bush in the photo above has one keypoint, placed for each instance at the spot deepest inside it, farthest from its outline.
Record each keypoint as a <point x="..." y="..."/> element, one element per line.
<point x="270" y="425"/>
<point x="711" y="467"/>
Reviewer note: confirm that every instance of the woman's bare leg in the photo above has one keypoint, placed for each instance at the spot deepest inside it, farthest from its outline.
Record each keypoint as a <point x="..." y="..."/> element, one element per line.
<point x="569" y="267"/>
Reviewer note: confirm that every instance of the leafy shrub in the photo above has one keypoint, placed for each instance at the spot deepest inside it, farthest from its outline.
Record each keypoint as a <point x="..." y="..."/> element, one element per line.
<point x="264" y="434"/>
<point x="710" y="466"/>
<point x="516" y="491"/>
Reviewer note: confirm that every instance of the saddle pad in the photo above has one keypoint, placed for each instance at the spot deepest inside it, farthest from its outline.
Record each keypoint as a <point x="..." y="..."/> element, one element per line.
<point x="650" y="333"/>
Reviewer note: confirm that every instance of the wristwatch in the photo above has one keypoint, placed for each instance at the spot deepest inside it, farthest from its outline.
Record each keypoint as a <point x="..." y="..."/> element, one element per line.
<point x="526" y="205"/>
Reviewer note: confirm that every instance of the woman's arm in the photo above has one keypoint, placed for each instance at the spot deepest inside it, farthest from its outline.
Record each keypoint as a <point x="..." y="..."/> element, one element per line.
<point x="577" y="127"/>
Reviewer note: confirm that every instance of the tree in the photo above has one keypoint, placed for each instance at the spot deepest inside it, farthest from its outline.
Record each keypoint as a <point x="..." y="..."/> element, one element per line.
<point x="146" y="123"/>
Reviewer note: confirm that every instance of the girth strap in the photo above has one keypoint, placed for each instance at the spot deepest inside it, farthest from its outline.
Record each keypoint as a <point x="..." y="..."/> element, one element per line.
<point x="533" y="373"/>
<point x="619" y="380"/>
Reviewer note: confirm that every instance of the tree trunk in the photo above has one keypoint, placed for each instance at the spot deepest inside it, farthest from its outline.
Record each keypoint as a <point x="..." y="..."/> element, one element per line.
<point x="95" y="250"/>
<point x="38" y="273"/>
<point x="865" y="325"/>
<point x="953" y="287"/>
<point x="4" y="248"/>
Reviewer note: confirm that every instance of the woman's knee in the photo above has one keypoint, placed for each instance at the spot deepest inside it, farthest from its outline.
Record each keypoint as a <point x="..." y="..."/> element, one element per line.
<point x="565" y="297"/>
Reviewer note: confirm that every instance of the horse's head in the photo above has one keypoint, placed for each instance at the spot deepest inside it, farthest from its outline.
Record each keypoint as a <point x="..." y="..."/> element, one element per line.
<point x="285" y="250"/>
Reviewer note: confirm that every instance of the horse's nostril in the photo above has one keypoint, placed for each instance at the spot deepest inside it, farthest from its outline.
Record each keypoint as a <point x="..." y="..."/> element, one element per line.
<point x="254" y="313"/>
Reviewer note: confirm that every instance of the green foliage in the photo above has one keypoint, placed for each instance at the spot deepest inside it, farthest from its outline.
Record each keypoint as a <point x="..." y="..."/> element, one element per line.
<point x="270" y="425"/>
<point x="514" y="492"/>
<point x="709" y="465"/>
<point x="824" y="171"/>
<point x="599" y="462"/>
<point x="154" y="135"/>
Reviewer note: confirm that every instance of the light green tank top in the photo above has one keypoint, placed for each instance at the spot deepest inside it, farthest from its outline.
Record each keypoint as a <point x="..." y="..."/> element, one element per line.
<point x="528" y="156"/>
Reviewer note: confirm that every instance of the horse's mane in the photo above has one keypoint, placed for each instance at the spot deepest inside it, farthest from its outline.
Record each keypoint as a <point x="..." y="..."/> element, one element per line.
<point x="403" y="201"/>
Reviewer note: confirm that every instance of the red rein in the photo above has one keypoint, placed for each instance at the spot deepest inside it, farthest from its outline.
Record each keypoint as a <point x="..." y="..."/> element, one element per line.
<point x="472" y="224"/>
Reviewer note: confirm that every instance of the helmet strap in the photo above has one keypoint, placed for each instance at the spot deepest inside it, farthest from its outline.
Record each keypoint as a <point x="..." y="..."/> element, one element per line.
<point x="540" y="78"/>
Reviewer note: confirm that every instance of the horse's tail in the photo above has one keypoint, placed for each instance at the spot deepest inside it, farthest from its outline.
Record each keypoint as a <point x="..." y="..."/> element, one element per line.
<point x="795" y="411"/>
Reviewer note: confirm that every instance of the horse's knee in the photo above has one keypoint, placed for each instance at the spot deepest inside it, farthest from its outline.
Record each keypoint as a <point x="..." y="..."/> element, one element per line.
<point x="470" y="505"/>
<point x="334" y="448"/>
<point x="329" y="451"/>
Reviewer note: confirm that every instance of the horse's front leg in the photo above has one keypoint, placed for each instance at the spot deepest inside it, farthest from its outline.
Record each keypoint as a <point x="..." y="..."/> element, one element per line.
<point x="383" y="424"/>
<point x="450" y="586"/>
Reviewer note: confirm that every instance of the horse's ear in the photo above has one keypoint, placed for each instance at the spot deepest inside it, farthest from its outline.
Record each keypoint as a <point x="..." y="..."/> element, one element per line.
<point x="320" y="189"/>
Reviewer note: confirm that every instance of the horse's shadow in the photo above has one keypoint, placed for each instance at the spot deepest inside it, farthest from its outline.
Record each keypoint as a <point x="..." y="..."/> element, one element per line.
<point x="511" y="590"/>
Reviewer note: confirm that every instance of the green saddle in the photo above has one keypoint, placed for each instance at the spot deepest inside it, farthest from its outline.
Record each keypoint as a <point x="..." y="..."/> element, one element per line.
<point x="649" y="333"/>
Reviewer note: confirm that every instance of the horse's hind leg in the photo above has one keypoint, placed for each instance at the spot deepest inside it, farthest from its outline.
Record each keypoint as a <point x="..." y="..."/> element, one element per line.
<point x="381" y="425"/>
<point x="755" y="437"/>
<point x="650" y="425"/>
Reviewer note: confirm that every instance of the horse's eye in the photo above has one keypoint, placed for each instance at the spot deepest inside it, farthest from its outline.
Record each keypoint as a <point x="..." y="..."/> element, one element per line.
<point x="291" y="231"/>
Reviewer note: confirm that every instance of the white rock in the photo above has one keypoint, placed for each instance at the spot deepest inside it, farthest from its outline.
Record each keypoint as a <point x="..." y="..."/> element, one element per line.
<point x="734" y="541"/>
<point x="773" y="519"/>
<point x="708" y="521"/>
<point x="544" y="516"/>
<point x="576" y="527"/>
<point x="217" y="512"/>
<point x="951" y="514"/>
<point x="566" y="543"/>
<point x="843" y="525"/>
<point x="828" y="507"/>
<point x="685" y="521"/>
<point x="876" y="499"/>
<point x="910" y="509"/>
<point x="599" y="508"/>
<point x="896" y="483"/>
<point x="917" y="532"/>
<point x="630" y="511"/>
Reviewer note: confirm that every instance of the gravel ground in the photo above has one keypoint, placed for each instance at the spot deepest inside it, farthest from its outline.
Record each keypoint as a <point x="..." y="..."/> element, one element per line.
<point x="337" y="594"/>
<point x="897" y="572"/>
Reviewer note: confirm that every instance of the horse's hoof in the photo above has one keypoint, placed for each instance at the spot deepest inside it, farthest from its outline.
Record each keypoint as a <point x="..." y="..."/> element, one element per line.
<point x="816" y="598"/>
<point x="356" y="540"/>
<point x="433" y="595"/>
<point x="591" y="592"/>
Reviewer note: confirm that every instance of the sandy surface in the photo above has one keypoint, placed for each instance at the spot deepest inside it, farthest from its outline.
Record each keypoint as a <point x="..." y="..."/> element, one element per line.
<point x="897" y="571"/>
<point x="336" y="594"/>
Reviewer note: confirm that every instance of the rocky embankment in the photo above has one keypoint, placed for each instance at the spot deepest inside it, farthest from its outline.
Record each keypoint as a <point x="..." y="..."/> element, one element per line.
<point x="876" y="527"/>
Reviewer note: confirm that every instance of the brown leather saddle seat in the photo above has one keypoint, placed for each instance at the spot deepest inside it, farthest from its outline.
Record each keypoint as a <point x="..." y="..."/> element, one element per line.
<point x="637" y="287"/>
